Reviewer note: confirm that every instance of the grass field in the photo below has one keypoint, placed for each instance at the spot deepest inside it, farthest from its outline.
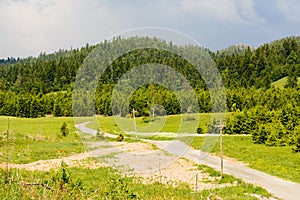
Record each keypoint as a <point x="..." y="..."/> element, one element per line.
<point x="37" y="139"/>
<point x="105" y="183"/>
<point x="282" y="82"/>
<point x="186" y="123"/>
<point x="277" y="161"/>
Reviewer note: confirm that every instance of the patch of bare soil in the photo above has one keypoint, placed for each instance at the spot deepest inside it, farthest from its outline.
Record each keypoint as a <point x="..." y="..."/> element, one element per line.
<point x="182" y="171"/>
<point x="47" y="165"/>
<point x="138" y="156"/>
<point x="74" y="160"/>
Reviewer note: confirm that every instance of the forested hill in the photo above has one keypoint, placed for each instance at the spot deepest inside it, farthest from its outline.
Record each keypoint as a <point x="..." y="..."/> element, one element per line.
<point x="32" y="87"/>
<point x="262" y="66"/>
<point x="240" y="66"/>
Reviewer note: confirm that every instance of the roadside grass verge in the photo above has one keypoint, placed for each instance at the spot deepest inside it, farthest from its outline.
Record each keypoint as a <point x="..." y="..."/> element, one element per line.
<point x="277" y="161"/>
<point x="106" y="183"/>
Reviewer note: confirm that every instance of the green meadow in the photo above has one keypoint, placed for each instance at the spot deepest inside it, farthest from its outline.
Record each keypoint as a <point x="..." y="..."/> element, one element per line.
<point x="277" y="161"/>
<point x="185" y="123"/>
<point x="106" y="183"/>
<point x="37" y="139"/>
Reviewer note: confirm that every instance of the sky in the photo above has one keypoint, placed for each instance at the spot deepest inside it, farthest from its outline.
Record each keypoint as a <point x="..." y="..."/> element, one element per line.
<point x="29" y="27"/>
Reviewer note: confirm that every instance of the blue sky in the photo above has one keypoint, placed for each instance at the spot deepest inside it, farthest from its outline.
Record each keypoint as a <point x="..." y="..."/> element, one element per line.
<point x="29" y="27"/>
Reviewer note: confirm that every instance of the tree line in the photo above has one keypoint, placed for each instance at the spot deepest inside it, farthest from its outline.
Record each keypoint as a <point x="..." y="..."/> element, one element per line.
<point x="246" y="68"/>
<point x="35" y="87"/>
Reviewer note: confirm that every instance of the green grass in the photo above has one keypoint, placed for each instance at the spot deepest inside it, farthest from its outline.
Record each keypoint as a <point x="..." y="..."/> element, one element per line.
<point x="282" y="82"/>
<point x="277" y="161"/>
<point x="37" y="139"/>
<point x="172" y="123"/>
<point x="105" y="183"/>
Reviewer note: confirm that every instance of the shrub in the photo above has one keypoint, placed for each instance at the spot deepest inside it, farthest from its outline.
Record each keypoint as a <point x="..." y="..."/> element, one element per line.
<point x="213" y="127"/>
<point x="199" y="130"/>
<point x="120" y="188"/>
<point x="64" y="129"/>
<point x="297" y="145"/>
<point x="99" y="135"/>
<point x="120" y="137"/>
<point x="146" y="119"/>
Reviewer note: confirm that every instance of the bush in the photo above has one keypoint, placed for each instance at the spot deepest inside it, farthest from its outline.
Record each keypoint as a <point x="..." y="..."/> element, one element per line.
<point x="64" y="129"/>
<point x="99" y="135"/>
<point x="120" y="137"/>
<point x="297" y="145"/>
<point x="120" y="188"/>
<point x="146" y="119"/>
<point x="64" y="179"/>
<point x="199" y="130"/>
<point x="213" y="127"/>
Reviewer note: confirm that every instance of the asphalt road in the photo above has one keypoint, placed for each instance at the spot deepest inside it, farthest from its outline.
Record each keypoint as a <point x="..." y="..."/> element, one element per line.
<point x="280" y="188"/>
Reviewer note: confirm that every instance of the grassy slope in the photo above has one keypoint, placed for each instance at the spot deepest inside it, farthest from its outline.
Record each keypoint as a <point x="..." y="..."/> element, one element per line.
<point x="37" y="139"/>
<point x="282" y="82"/>
<point x="278" y="161"/>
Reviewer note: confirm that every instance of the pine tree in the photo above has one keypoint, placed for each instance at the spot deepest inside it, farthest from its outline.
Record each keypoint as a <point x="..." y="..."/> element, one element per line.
<point x="292" y="76"/>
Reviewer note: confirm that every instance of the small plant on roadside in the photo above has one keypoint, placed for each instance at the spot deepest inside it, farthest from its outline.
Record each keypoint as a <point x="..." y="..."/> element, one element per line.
<point x="120" y="137"/>
<point x="146" y="119"/>
<point x="64" y="179"/>
<point x="99" y="134"/>
<point x="64" y="129"/>
<point x="199" y="130"/>
<point x="120" y="188"/>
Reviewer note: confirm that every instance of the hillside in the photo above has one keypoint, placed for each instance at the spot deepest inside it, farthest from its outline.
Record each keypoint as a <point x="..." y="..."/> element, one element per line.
<point x="236" y="49"/>
<point x="240" y="65"/>
<point x="33" y="87"/>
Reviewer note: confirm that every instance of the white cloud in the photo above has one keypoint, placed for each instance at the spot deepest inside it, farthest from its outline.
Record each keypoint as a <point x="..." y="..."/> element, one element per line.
<point x="247" y="12"/>
<point x="29" y="27"/>
<point x="224" y="11"/>
<point x="220" y="10"/>
<point x="290" y="9"/>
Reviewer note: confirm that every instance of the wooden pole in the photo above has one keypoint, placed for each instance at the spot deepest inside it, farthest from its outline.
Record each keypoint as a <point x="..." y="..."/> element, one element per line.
<point x="7" y="157"/>
<point x="160" y="178"/>
<point x="196" y="185"/>
<point x="134" y="122"/>
<point x="221" y="147"/>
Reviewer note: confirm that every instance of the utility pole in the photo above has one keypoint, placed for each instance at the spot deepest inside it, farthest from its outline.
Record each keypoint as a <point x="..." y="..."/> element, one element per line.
<point x="152" y="93"/>
<point x="134" y="122"/>
<point x="7" y="157"/>
<point x="221" y="126"/>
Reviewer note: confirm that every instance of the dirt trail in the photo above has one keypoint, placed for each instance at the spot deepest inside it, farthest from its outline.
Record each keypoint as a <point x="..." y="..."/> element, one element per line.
<point x="118" y="154"/>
